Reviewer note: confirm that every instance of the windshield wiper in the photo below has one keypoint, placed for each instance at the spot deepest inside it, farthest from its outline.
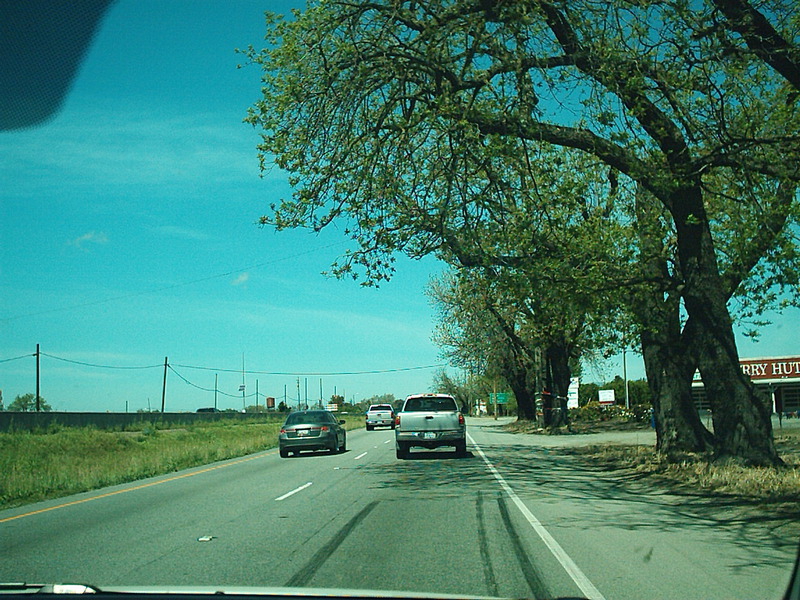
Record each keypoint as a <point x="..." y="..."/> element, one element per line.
<point x="46" y="588"/>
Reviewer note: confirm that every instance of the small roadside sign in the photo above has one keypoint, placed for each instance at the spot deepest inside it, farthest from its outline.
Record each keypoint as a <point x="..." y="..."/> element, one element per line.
<point x="606" y="397"/>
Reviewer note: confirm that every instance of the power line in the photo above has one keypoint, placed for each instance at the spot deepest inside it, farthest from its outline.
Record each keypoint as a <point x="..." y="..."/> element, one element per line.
<point x="5" y="360"/>
<point x="204" y="389"/>
<point x="225" y="370"/>
<point x="86" y="364"/>
<point x="316" y="374"/>
<point x="166" y="288"/>
<point x="166" y="365"/>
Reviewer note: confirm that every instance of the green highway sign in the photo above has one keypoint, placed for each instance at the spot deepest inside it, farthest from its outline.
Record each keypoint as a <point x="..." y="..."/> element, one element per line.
<point x="499" y="398"/>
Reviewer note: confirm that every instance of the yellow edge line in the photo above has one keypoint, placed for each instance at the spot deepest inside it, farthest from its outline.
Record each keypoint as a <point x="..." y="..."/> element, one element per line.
<point x="134" y="488"/>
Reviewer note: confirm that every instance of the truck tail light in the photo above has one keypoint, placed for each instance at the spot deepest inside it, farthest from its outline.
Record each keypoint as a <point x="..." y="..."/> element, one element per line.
<point x="397" y="421"/>
<point x="460" y="419"/>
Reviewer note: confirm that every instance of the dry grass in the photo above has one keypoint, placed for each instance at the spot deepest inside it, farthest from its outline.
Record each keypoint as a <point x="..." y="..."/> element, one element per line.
<point x="697" y="474"/>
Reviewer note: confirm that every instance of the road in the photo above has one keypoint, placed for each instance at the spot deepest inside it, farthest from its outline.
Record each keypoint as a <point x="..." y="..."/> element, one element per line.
<point x="516" y="518"/>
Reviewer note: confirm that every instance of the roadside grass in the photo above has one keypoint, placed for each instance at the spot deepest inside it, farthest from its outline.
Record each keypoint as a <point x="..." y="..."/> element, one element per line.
<point x="697" y="474"/>
<point x="64" y="461"/>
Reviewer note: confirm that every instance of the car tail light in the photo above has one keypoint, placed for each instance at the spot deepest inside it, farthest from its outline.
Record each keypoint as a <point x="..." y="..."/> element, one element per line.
<point x="460" y="419"/>
<point x="283" y="430"/>
<point x="324" y="428"/>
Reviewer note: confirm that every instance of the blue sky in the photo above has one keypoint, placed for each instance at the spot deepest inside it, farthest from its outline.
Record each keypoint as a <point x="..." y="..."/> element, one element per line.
<point x="129" y="235"/>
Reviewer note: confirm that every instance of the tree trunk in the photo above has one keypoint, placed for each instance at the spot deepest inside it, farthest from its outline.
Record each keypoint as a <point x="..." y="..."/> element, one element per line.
<point x="669" y="376"/>
<point x="521" y="377"/>
<point x="668" y="359"/>
<point x="558" y="364"/>
<point x="742" y="425"/>
<point x="741" y="417"/>
<point x="526" y="397"/>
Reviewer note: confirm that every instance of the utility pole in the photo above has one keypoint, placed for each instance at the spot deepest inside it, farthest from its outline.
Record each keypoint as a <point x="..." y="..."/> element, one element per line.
<point x="625" y="378"/>
<point x="243" y="385"/>
<point x="495" y="400"/>
<point x="164" y="385"/>
<point x="216" y="383"/>
<point x="298" y="393"/>
<point x="38" y="402"/>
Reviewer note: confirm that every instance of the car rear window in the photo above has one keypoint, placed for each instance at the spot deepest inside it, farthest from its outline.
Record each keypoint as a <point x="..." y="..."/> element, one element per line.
<point x="319" y="416"/>
<point x="431" y="403"/>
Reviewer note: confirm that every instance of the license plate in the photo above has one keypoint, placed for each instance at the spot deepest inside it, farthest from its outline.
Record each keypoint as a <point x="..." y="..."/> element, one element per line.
<point x="429" y="435"/>
<point x="301" y="432"/>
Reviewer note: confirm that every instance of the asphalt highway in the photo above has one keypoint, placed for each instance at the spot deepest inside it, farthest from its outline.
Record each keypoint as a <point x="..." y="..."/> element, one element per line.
<point x="513" y="519"/>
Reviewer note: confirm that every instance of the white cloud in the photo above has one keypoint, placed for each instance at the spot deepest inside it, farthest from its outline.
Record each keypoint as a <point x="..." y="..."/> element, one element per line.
<point x="183" y="233"/>
<point x="92" y="237"/>
<point x="241" y="279"/>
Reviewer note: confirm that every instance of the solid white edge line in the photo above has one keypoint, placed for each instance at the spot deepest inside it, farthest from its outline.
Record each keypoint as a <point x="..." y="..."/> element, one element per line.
<point x="578" y="576"/>
<point x="362" y="455"/>
<point x="286" y="495"/>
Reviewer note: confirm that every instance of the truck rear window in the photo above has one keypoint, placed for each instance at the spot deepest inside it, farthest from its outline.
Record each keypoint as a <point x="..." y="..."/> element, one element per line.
<point x="430" y="404"/>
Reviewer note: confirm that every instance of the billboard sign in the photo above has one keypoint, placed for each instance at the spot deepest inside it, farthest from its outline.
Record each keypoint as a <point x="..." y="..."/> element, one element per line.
<point x="572" y="392"/>
<point x="771" y="368"/>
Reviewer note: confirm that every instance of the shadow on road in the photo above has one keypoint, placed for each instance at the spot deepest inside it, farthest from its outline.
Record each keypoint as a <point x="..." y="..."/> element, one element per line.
<point x="621" y="498"/>
<point x="417" y="454"/>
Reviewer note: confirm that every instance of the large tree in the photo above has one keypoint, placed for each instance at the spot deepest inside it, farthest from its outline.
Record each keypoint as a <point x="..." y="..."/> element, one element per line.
<point x="480" y="329"/>
<point x="384" y="111"/>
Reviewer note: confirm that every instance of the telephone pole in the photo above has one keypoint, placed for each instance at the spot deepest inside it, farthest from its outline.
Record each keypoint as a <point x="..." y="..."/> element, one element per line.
<point x="38" y="402"/>
<point x="164" y="385"/>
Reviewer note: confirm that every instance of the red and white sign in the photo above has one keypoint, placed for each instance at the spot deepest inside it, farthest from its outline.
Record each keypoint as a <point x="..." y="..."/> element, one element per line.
<point x="771" y="368"/>
<point x="606" y="397"/>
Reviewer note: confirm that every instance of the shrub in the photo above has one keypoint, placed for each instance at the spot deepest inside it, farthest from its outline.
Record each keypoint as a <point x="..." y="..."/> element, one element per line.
<point x="592" y="412"/>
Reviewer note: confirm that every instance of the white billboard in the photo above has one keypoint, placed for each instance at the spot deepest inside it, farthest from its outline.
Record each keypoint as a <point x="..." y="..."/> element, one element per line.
<point x="572" y="392"/>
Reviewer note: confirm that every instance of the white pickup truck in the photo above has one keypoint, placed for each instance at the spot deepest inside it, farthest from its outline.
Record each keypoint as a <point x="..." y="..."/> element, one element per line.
<point x="430" y="421"/>
<point x="380" y="415"/>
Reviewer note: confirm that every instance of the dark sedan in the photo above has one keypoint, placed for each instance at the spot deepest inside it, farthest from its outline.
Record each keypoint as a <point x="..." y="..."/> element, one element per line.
<point x="312" y="430"/>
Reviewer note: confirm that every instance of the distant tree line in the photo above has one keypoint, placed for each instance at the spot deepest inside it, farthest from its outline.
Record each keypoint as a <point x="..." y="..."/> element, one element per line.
<point x="27" y="403"/>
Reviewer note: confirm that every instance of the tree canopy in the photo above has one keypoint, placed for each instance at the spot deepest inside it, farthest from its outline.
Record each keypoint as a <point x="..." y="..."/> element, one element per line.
<point x="446" y="127"/>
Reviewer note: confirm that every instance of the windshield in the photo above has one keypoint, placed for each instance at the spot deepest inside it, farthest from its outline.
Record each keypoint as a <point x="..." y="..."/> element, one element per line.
<point x="555" y="244"/>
